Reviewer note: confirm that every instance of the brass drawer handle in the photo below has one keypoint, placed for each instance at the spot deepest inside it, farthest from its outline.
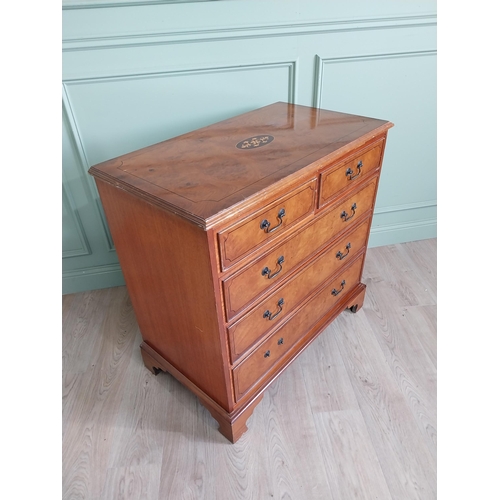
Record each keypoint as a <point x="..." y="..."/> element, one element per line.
<point x="267" y="272"/>
<point x="341" y="255"/>
<point x="270" y="316"/>
<point x="335" y="291"/>
<point x="265" y="224"/>
<point x="267" y="354"/>
<point x="347" y="217"/>
<point x="349" y="172"/>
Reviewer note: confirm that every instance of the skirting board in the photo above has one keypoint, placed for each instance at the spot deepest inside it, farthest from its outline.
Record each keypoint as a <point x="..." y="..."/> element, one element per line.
<point x="391" y="234"/>
<point x="92" y="278"/>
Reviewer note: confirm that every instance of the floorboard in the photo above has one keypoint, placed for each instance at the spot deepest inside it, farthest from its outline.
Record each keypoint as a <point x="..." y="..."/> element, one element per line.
<point x="354" y="417"/>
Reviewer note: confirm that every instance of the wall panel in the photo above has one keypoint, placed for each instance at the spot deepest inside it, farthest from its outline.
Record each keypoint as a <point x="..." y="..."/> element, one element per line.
<point x="74" y="242"/>
<point x="401" y="85"/>
<point x="134" y="75"/>
<point x="120" y="114"/>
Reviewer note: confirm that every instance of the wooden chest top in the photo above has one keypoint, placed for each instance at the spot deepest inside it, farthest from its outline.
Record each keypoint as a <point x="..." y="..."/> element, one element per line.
<point x="206" y="174"/>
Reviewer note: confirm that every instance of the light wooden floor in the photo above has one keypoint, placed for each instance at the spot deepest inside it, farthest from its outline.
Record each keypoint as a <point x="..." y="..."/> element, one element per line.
<point x="353" y="417"/>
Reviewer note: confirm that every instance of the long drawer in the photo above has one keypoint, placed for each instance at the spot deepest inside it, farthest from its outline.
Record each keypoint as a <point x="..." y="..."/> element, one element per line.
<point x="274" y="309"/>
<point x="274" y="349"/>
<point x="241" y="288"/>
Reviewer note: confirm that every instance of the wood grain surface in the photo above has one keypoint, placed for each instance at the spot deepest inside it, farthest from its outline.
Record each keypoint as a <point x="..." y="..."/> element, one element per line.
<point x="249" y="234"/>
<point x="339" y="177"/>
<point x="202" y="174"/>
<point x="353" y="417"/>
<point x="175" y="301"/>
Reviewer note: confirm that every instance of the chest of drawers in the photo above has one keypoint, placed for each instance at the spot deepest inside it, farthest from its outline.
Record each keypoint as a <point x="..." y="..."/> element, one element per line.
<point x="240" y="242"/>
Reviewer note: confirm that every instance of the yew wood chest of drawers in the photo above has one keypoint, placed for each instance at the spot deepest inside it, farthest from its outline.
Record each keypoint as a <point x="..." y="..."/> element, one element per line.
<point x="240" y="242"/>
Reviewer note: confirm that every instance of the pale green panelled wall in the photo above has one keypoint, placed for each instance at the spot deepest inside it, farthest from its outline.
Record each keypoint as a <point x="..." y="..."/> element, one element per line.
<point x="136" y="73"/>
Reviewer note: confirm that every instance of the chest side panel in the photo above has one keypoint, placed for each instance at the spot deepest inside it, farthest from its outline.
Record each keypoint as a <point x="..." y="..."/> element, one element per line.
<point x="167" y="269"/>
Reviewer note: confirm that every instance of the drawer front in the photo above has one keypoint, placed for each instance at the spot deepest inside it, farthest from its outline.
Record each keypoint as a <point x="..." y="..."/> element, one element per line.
<point x="243" y="287"/>
<point x="339" y="177"/>
<point x="273" y="310"/>
<point x="248" y="235"/>
<point x="253" y="369"/>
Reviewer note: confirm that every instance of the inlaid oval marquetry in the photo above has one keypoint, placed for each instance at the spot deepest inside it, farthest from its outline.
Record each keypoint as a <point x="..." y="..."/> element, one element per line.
<point x="256" y="141"/>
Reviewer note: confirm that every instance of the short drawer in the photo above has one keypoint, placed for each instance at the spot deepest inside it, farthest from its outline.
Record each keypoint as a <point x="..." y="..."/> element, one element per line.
<point x="274" y="309"/>
<point x="249" y="234"/>
<point x="247" y="284"/>
<point x="253" y="369"/>
<point x="341" y="176"/>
